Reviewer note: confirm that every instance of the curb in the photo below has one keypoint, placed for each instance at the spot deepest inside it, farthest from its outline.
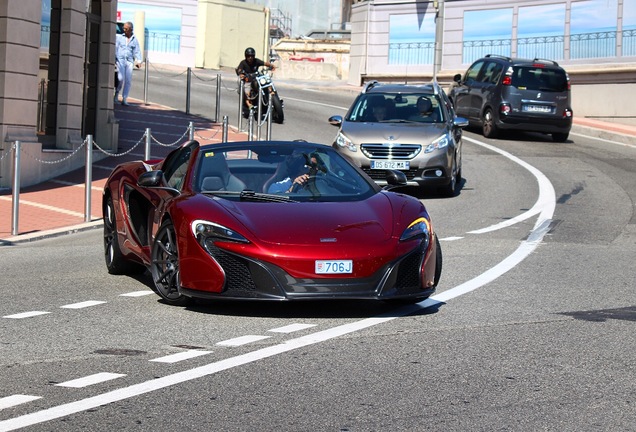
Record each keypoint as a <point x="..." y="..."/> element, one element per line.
<point x="57" y="232"/>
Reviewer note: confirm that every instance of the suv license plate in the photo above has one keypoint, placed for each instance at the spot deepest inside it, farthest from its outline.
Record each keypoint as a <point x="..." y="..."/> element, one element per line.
<point x="537" y="108"/>
<point x="334" y="266"/>
<point x="384" y="165"/>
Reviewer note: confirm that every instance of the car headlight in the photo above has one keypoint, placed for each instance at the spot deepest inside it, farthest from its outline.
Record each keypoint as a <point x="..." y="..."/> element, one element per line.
<point x="438" y="144"/>
<point x="205" y="231"/>
<point x="343" y="141"/>
<point x="419" y="228"/>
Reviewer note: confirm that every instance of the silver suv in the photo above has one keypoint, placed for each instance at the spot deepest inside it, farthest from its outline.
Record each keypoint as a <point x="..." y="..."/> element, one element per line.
<point x="404" y="127"/>
<point x="499" y="92"/>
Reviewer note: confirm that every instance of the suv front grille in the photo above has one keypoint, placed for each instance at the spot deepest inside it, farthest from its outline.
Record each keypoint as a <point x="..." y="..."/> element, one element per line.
<point x="390" y="151"/>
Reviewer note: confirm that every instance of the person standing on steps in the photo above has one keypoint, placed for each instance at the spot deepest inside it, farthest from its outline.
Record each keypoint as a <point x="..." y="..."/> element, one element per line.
<point x="127" y="55"/>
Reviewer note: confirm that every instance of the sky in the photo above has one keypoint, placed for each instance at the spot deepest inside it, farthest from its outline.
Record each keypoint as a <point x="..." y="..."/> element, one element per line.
<point x="159" y="19"/>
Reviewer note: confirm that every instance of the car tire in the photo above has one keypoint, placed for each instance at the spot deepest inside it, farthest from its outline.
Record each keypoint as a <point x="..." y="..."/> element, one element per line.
<point x="438" y="262"/>
<point x="560" y="137"/>
<point x="116" y="263"/>
<point x="488" y="126"/>
<point x="164" y="265"/>
<point x="450" y="189"/>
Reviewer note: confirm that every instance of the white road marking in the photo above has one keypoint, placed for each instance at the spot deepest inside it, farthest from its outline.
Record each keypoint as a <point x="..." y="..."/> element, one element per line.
<point x="186" y="355"/>
<point x="137" y="294"/>
<point x="26" y="314"/>
<point x="243" y="340"/>
<point x="450" y="238"/>
<point x="82" y="185"/>
<point x="44" y="206"/>
<point x="606" y="140"/>
<point x="317" y="103"/>
<point x="13" y="400"/>
<point x="292" y="328"/>
<point x="90" y="380"/>
<point x="548" y="203"/>
<point x="83" y="304"/>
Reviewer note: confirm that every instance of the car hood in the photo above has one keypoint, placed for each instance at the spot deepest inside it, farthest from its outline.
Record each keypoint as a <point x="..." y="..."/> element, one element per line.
<point x="301" y="223"/>
<point x="398" y="133"/>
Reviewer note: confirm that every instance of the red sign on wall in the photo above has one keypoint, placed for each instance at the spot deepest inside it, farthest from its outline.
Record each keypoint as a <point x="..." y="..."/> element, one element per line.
<point x="118" y="16"/>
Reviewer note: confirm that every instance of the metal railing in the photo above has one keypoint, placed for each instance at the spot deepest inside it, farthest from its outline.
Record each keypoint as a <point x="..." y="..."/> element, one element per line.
<point x="89" y="146"/>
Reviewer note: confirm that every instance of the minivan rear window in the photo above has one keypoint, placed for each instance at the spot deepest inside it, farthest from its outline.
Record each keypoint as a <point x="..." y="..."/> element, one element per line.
<point x="535" y="78"/>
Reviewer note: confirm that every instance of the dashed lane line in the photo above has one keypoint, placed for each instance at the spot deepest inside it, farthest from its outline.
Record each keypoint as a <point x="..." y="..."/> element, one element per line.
<point x="26" y="314"/>
<point x="18" y="399"/>
<point x="91" y="380"/>
<point x="82" y="305"/>
<point x="186" y="355"/>
<point x="242" y="340"/>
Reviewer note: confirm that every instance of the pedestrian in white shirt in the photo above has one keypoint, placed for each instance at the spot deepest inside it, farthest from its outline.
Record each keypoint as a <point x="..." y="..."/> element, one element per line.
<point x="127" y="54"/>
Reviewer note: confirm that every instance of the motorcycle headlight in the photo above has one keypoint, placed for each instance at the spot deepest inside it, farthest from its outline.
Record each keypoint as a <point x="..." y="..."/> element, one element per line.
<point x="343" y="141"/>
<point x="438" y="144"/>
<point x="206" y="231"/>
<point x="262" y="80"/>
<point x="419" y="228"/>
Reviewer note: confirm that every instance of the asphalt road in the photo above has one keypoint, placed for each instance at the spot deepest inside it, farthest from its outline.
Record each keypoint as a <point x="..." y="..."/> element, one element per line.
<point x="532" y="327"/>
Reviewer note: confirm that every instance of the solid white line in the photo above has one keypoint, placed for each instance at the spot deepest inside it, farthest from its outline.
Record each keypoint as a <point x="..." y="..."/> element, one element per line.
<point x="90" y="380"/>
<point x="292" y="328"/>
<point x="606" y="140"/>
<point x="538" y="205"/>
<point x="45" y="207"/>
<point x="26" y="314"/>
<point x="82" y="305"/>
<point x="526" y="248"/>
<point x="137" y="294"/>
<point x="243" y="340"/>
<point x="186" y="355"/>
<point x="66" y="183"/>
<point x="11" y="401"/>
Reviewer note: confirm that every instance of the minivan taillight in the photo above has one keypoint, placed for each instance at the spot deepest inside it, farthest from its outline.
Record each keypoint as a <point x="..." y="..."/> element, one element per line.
<point x="507" y="80"/>
<point x="504" y="108"/>
<point x="567" y="113"/>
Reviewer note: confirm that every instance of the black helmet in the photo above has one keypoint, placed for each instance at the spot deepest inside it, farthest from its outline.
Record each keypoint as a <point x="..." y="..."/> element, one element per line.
<point x="250" y="52"/>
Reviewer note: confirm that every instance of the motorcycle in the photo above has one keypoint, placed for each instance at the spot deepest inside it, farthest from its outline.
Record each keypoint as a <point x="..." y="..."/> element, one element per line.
<point x="261" y="83"/>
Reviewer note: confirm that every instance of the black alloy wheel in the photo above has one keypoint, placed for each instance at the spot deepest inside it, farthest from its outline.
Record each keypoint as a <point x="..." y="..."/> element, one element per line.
<point x="115" y="262"/>
<point x="165" y="265"/>
<point x="489" y="128"/>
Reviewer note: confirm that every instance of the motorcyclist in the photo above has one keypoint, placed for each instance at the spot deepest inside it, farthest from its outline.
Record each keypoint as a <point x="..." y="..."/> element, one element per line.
<point x="247" y="67"/>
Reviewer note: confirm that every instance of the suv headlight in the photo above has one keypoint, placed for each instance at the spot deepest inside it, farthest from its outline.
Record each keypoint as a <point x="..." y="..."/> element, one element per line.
<point x="419" y="228"/>
<point x="343" y="141"/>
<point x="438" y="144"/>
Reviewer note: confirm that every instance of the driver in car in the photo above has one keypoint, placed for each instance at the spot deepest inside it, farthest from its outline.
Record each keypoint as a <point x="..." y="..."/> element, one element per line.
<point x="296" y="175"/>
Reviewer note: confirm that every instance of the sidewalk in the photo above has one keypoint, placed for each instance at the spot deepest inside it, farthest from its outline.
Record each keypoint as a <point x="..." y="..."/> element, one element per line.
<point x="56" y="207"/>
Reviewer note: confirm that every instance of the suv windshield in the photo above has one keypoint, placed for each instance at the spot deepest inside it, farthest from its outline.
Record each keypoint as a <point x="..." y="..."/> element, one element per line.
<point x="397" y="107"/>
<point x="537" y="78"/>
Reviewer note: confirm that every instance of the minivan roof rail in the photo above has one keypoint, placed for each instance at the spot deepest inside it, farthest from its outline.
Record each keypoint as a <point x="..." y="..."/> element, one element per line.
<point x="499" y="56"/>
<point x="368" y="86"/>
<point x="545" y="61"/>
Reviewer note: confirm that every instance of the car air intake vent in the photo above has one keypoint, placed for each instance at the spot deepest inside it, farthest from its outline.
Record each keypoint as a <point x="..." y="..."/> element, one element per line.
<point x="390" y="151"/>
<point x="239" y="279"/>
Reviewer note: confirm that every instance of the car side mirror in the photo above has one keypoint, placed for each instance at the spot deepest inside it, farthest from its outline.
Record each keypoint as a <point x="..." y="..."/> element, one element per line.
<point x="394" y="178"/>
<point x="335" y="120"/>
<point x="460" y="122"/>
<point x="150" y="178"/>
<point x="457" y="78"/>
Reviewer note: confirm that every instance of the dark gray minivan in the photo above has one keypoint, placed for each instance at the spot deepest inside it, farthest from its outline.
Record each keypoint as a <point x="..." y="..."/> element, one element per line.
<point x="498" y="92"/>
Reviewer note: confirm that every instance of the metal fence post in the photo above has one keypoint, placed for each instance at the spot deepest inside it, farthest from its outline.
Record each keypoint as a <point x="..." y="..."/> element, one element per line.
<point x="191" y="131"/>
<point x="269" y="120"/>
<point x="188" y="88"/>
<point x="240" y="109"/>
<point x="217" y="114"/>
<point x="225" y="128"/>
<point x="260" y="116"/>
<point x="16" y="189"/>
<point x="148" y="142"/>
<point x="89" y="178"/>
<point x="146" y="81"/>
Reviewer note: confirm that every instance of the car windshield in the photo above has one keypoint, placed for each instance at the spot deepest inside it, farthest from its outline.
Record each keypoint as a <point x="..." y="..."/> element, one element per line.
<point x="396" y="107"/>
<point x="260" y="171"/>
<point x="538" y="78"/>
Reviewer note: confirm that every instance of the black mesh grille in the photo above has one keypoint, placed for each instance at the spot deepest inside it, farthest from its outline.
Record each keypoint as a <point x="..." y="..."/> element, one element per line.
<point x="237" y="274"/>
<point x="408" y="278"/>
<point x="381" y="174"/>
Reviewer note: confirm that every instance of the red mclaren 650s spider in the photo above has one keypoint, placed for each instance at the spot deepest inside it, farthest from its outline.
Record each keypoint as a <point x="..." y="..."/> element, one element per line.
<point x="268" y="220"/>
